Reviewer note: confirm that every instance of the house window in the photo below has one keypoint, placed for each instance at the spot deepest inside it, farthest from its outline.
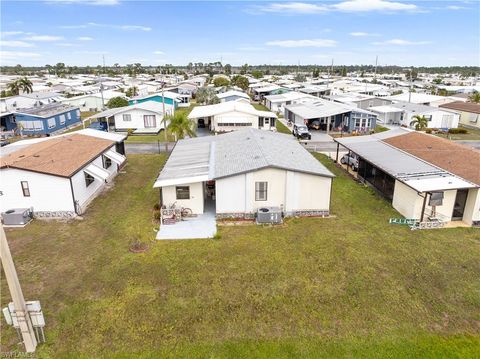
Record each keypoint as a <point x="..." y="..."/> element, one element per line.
<point x="127" y="118"/>
<point x="51" y="122"/>
<point x="62" y="119"/>
<point x="183" y="192"/>
<point x="107" y="162"/>
<point x="267" y="121"/>
<point x="88" y="179"/>
<point x="261" y="191"/>
<point x="260" y="122"/>
<point x="69" y="115"/>
<point x="25" y="189"/>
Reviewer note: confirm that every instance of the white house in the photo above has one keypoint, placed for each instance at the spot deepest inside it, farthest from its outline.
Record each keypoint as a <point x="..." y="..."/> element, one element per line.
<point x="277" y="103"/>
<point x="145" y="117"/>
<point x="233" y="95"/>
<point x="426" y="178"/>
<point x="93" y="102"/>
<point x="239" y="172"/>
<point x="231" y="116"/>
<point x="402" y="113"/>
<point x="57" y="176"/>
<point x="421" y="99"/>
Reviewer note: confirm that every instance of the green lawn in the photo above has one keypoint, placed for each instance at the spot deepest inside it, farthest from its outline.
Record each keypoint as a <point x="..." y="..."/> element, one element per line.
<point x="380" y="128"/>
<point x="472" y="135"/>
<point x="282" y="128"/>
<point x="350" y="286"/>
<point x="260" y="107"/>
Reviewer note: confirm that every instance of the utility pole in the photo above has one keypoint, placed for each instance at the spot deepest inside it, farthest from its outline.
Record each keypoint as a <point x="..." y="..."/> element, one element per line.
<point x="23" y="317"/>
<point x="165" y="115"/>
<point x="410" y="86"/>
<point x="376" y="64"/>
<point x="328" y="78"/>
<point x="101" y="85"/>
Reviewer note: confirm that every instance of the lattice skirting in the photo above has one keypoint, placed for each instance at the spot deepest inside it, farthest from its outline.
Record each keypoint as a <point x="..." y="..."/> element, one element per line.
<point x="54" y="214"/>
<point x="251" y="216"/>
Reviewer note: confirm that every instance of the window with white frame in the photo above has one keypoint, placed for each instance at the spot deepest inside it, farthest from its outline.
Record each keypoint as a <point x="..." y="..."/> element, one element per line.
<point x="78" y="113"/>
<point x="51" y="122"/>
<point x="89" y="179"/>
<point x="69" y="115"/>
<point x="62" y="119"/>
<point x="127" y="117"/>
<point x="25" y="189"/>
<point x="261" y="191"/>
<point x="107" y="162"/>
<point x="182" y="192"/>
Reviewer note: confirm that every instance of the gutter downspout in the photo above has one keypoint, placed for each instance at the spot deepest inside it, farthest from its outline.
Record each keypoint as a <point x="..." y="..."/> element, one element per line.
<point x="423" y="206"/>
<point x="73" y="197"/>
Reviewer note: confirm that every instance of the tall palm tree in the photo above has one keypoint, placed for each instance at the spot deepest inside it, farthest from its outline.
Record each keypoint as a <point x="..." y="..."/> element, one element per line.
<point x="13" y="87"/>
<point x="420" y="122"/>
<point x="475" y="97"/>
<point x="180" y="126"/>
<point x="25" y="85"/>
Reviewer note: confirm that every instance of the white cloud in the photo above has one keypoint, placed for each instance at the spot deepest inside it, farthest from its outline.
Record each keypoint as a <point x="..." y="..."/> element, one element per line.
<point x="302" y="43"/>
<point x="14" y="43"/>
<point x="359" y="34"/>
<point x="158" y="52"/>
<point x="44" y="38"/>
<point x="85" y="38"/>
<point x="111" y="26"/>
<point x="401" y="42"/>
<point x="17" y="55"/>
<point x="250" y="48"/>
<point x="10" y="33"/>
<point x="294" y="7"/>
<point x="85" y="2"/>
<point x="455" y="7"/>
<point x="66" y="44"/>
<point x="373" y="5"/>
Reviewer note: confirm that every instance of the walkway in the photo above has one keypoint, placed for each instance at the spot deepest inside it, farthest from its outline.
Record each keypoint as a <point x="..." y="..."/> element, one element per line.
<point x="202" y="226"/>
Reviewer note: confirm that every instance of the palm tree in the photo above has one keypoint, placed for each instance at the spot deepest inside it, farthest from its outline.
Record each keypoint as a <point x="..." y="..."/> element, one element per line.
<point x="14" y="88"/>
<point x="25" y="85"/>
<point x="180" y="125"/>
<point x="475" y="97"/>
<point x="420" y="122"/>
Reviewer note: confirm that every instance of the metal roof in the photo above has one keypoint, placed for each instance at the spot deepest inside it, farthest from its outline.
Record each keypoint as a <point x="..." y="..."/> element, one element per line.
<point x="214" y="157"/>
<point x="229" y="106"/>
<point x="322" y="108"/>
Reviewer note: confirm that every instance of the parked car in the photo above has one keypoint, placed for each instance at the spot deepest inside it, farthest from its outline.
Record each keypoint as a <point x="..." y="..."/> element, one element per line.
<point x="301" y="132"/>
<point x="315" y="124"/>
<point x="201" y="123"/>
<point x="4" y="142"/>
<point x="101" y="126"/>
<point x="350" y="159"/>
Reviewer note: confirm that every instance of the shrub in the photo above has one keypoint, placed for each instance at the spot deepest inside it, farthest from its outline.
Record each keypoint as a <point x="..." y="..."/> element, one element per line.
<point x="156" y="206"/>
<point x="428" y="130"/>
<point x="156" y="215"/>
<point x="454" y="131"/>
<point x="130" y="131"/>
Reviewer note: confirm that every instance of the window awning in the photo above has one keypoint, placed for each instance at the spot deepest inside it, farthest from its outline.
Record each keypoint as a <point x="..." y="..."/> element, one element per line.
<point x="97" y="172"/>
<point x="115" y="157"/>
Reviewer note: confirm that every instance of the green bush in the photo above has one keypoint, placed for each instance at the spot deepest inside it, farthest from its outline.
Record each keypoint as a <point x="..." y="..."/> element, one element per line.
<point x="428" y="130"/>
<point x="455" y="131"/>
<point x="130" y="131"/>
<point x="156" y="206"/>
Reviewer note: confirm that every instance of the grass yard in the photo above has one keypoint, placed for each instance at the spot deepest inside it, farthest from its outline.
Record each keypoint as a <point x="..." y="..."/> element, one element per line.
<point x="472" y="135"/>
<point x="282" y="128"/>
<point x="260" y="107"/>
<point x="350" y="286"/>
<point x="380" y="128"/>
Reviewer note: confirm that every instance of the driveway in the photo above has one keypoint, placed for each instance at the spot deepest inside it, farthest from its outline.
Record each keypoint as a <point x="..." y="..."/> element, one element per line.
<point x="153" y="147"/>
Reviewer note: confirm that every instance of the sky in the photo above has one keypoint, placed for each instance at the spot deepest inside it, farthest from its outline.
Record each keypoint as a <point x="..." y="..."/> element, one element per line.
<point x="80" y="32"/>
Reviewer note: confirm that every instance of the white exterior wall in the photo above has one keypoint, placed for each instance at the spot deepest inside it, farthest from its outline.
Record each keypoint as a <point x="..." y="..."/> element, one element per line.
<point x="236" y="117"/>
<point x="83" y="194"/>
<point x="409" y="203"/>
<point x="437" y="119"/>
<point x="196" y="201"/>
<point x="91" y="102"/>
<point x="47" y="193"/>
<point x="470" y="119"/>
<point x="472" y="207"/>
<point x="137" y="120"/>
<point x="293" y="191"/>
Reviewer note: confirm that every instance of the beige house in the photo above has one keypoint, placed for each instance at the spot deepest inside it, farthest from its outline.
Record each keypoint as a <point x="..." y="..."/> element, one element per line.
<point x="469" y="112"/>
<point x="238" y="173"/>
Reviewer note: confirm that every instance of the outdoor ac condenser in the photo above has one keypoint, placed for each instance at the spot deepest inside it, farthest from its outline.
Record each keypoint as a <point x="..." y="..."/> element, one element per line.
<point x="17" y="216"/>
<point x="269" y="215"/>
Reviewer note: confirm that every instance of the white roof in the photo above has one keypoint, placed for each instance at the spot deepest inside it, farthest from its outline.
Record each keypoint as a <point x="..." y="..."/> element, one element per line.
<point x="384" y="109"/>
<point x="233" y="93"/>
<point x="416" y="97"/>
<point x="102" y="134"/>
<point x="152" y="106"/>
<point x="322" y="108"/>
<point x="288" y="96"/>
<point x="230" y="106"/>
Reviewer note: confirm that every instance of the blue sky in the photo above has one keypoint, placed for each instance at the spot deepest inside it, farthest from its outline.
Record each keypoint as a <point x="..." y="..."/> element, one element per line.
<point x="78" y="32"/>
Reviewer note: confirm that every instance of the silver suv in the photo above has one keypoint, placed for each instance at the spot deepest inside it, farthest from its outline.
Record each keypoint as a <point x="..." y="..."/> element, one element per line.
<point x="350" y="159"/>
<point x="301" y="132"/>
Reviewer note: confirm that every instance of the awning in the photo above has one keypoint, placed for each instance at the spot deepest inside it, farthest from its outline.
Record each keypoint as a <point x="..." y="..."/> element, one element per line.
<point x="97" y="172"/>
<point x="115" y="157"/>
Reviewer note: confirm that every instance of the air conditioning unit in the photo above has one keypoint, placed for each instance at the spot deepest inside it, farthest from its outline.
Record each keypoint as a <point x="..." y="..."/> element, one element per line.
<point x="269" y="215"/>
<point x="17" y="216"/>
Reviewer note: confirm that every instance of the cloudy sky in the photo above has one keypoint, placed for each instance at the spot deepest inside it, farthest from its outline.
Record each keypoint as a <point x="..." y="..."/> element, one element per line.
<point x="79" y="32"/>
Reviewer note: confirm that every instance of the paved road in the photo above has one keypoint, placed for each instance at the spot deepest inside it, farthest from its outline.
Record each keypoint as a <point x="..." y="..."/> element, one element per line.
<point x="474" y="144"/>
<point x="154" y="147"/>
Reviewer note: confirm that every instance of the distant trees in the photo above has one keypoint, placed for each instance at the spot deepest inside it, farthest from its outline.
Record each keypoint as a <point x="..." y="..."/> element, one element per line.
<point x="180" y="126"/>
<point x="206" y="96"/>
<point x="315" y="72"/>
<point x="474" y="97"/>
<point x="257" y="74"/>
<point x="244" y="69"/>
<point x="118" y="101"/>
<point x="420" y="122"/>
<point x="132" y="91"/>
<point x="227" y="69"/>
<point x="240" y="81"/>
<point x="300" y="78"/>
<point x="220" y="82"/>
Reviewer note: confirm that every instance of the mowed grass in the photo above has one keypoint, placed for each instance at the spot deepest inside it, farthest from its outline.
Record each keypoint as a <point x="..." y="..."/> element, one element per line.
<point x="472" y="135"/>
<point x="282" y="128"/>
<point x="349" y="286"/>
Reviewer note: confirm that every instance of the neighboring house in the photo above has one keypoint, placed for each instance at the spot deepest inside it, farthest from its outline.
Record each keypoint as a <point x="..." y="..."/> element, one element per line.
<point x="469" y="112"/>
<point x="233" y="95"/>
<point x="329" y="116"/>
<point x="316" y="90"/>
<point x="421" y="99"/>
<point x="57" y="176"/>
<point x="93" y="102"/>
<point x="46" y="119"/>
<point x="231" y="116"/>
<point x="13" y="103"/>
<point x="277" y="103"/>
<point x="359" y="100"/>
<point x="259" y="93"/>
<point x="143" y="117"/>
<point x="414" y="170"/>
<point x="171" y="98"/>
<point x="402" y="113"/>
<point x="245" y="170"/>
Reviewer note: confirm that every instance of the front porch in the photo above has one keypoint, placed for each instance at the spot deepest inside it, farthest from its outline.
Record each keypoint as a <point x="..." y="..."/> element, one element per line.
<point x="200" y="226"/>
